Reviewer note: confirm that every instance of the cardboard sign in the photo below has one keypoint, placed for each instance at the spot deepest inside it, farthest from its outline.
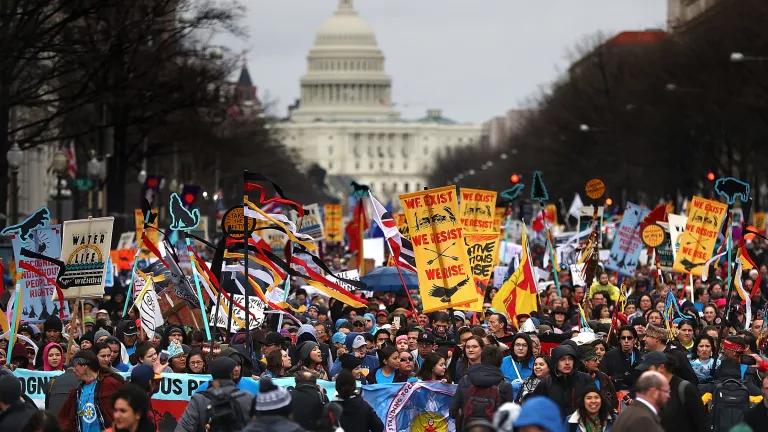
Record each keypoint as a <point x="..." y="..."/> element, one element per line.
<point x="625" y="251"/>
<point x="482" y="249"/>
<point x="311" y="223"/>
<point x="334" y="230"/>
<point x="85" y="247"/>
<point x="37" y="293"/>
<point x="676" y="227"/>
<point x="255" y="305"/>
<point x="478" y="209"/>
<point x="126" y="240"/>
<point x="697" y="242"/>
<point x="445" y="276"/>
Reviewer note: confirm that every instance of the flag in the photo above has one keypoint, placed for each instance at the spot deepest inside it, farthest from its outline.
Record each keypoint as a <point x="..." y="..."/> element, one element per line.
<point x="576" y="206"/>
<point x="412" y="406"/>
<point x="71" y="154"/>
<point x="518" y="294"/>
<point x="355" y="229"/>
<point x="401" y="248"/>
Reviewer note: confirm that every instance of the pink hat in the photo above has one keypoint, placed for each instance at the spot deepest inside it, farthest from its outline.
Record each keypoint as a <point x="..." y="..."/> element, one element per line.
<point x="401" y="338"/>
<point x="720" y="303"/>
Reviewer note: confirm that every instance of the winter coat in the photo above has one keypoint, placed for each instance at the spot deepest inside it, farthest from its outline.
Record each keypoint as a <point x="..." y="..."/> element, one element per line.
<point x="16" y="416"/>
<point x="195" y="415"/>
<point x="679" y="417"/>
<point x="621" y="368"/>
<point x="358" y="415"/>
<point x="307" y="403"/>
<point x="480" y="375"/>
<point x="605" y="385"/>
<point x="58" y="390"/>
<point x="574" y="426"/>
<point x="563" y="389"/>
<point x="107" y="383"/>
<point x="272" y="423"/>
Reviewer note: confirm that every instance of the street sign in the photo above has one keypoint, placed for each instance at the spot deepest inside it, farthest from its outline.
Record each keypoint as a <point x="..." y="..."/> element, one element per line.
<point x="82" y="183"/>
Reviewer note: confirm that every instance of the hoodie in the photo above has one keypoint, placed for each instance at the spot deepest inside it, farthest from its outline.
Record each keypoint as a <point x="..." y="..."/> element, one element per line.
<point x="564" y="389"/>
<point x="480" y="375"/>
<point x="46" y="365"/>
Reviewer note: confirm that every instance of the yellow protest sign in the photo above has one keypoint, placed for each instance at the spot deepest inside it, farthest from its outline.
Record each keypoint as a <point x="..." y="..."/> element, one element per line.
<point x="152" y="233"/>
<point x="478" y="208"/>
<point x="332" y="221"/>
<point x="445" y="277"/>
<point x="697" y="241"/>
<point x="759" y="222"/>
<point x="482" y="250"/>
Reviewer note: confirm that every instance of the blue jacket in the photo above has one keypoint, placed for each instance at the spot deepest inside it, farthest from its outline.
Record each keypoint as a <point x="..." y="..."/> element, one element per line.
<point x="524" y="369"/>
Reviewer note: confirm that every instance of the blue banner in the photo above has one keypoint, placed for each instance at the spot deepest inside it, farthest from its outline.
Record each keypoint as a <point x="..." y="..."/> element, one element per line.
<point x="419" y="406"/>
<point x="625" y="251"/>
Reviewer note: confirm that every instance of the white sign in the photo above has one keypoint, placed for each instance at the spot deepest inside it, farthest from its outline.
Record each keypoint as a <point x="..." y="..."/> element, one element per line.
<point x="85" y="246"/>
<point x="126" y="240"/>
<point x="349" y="274"/>
<point x="373" y="248"/>
<point x="256" y="306"/>
<point x="311" y="223"/>
<point x="499" y="273"/>
<point x="676" y="227"/>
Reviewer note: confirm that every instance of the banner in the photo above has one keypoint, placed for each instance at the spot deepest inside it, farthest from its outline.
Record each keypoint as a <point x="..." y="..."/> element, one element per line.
<point x="445" y="277"/>
<point x="625" y="251"/>
<point x="311" y="223"/>
<point x="152" y="234"/>
<point x="255" y="305"/>
<point x="85" y="250"/>
<point x="697" y="242"/>
<point x="169" y="402"/>
<point x="334" y="232"/>
<point x="37" y="293"/>
<point x="420" y="406"/>
<point x="478" y="210"/>
<point x="482" y="249"/>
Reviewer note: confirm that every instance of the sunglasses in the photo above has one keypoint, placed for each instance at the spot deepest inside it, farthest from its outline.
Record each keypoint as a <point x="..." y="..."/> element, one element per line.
<point x="627" y="338"/>
<point x="406" y="359"/>
<point x="359" y="324"/>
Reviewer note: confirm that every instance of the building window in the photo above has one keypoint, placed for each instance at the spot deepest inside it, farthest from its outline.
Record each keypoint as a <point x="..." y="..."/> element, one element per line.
<point x="405" y="187"/>
<point x="405" y="165"/>
<point x="418" y="186"/>
<point x="357" y="166"/>
<point x="330" y="150"/>
<point x="370" y="165"/>
<point x="391" y="166"/>
<point x="330" y="166"/>
<point x="394" y="187"/>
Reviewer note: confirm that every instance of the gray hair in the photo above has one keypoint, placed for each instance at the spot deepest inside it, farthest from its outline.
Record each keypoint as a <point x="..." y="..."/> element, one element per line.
<point x="649" y="380"/>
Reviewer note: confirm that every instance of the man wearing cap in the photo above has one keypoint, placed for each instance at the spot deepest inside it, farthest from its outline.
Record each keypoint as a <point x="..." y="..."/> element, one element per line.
<point x="602" y="382"/>
<point x="128" y="335"/>
<point x="653" y="392"/>
<point x="195" y="417"/>
<point x="14" y="411"/>
<point x="564" y="381"/>
<point x="684" y="410"/>
<point x="356" y="346"/>
<point x="656" y="340"/>
<point x="89" y="407"/>
<point x="425" y="345"/>
<point x="382" y="317"/>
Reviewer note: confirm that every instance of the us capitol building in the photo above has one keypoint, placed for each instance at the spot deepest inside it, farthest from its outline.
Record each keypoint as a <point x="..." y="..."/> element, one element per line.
<point x="345" y="121"/>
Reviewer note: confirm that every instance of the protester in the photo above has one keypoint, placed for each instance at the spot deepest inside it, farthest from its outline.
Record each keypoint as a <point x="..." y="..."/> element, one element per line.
<point x="656" y="340"/>
<point x="652" y="393"/>
<point x="482" y="389"/>
<point x="433" y="369"/>
<point x="602" y="382"/>
<point x="389" y="360"/>
<point x="539" y="414"/>
<point x="518" y="365"/>
<point x="278" y="364"/>
<point x="132" y="411"/>
<point x="540" y="370"/>
<point x="196" y="362"/>
<point x="53" y="357"/>
<point x="357" y="414"/>
<point x="564" y="380"/>
<point x="307" y="400"/>
<point x="15" y="412"/>
<point x="702" y="362"/>
<point x="473" y="348"/>
<point x="619" y="363"/>
<point x="89" y="407"/>
<point x="593" y="413"/>
<point x="310" y="359"/>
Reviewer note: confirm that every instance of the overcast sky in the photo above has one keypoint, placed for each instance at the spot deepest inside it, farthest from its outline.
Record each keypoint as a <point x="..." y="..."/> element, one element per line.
<point x="474" y="59"/>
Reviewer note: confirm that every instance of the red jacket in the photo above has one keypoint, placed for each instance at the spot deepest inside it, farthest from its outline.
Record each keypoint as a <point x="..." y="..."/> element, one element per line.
<point x="106" y="384"/>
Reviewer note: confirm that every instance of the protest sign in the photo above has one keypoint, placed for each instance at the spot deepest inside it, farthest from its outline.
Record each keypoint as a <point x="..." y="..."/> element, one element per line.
<point x="373" y="248"/>
<point x="478" y="209"/>
<point x="311" y="223"/>
<point x="482" y="249"/>
<point x="37" y="293"/>
<point x="665" y="250"/>
<point x="499" y="273"/>
<point x="85" y="250"/>
<point x="585" y="220"/>
<point x="445" y="277"/>
<point x="625" y="250"/>
<point x="697" y="242"/>
<point x="255" y="305"/>
<point x="334" y="232"/>
<point x="759" y="221"/>
<point x="152" y="233"/>
<point x="676" y="227"/>
<point x="126" y="240"/>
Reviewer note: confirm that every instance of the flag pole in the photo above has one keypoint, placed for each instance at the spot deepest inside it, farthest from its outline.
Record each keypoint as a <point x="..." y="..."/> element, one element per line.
<point x="361" y="231"/>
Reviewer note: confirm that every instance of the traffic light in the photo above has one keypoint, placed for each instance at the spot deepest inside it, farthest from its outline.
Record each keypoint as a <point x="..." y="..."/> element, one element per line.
<point x="710" y="176"/>
<point x="514" y="178"/>
<point x="189" y="194"/>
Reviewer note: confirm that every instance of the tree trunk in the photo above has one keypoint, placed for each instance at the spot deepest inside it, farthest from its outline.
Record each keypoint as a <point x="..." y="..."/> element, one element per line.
<point x="118" y="167"/>
<point x="5" y="111"/>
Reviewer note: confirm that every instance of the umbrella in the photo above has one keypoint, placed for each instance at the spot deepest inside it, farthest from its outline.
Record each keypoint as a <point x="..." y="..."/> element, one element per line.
<point x="388" y="279"/>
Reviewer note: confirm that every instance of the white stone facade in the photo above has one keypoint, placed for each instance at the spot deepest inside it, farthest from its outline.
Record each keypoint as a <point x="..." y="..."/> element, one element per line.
<point x="345" y="122"/>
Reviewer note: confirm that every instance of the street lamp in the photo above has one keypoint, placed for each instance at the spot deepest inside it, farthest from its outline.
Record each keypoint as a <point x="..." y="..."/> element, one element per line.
<point x="14" y="157"/>
<point x="142" y="177"/>
<point x="738" y="57"/>
<point x="59" y="168"/>
<point x="97" y="172"/>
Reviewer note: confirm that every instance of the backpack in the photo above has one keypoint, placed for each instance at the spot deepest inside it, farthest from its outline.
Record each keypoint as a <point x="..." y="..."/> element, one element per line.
<point x="480" y="402"/>
<point x="730" y="401"/>
<point x="223" y="412"/>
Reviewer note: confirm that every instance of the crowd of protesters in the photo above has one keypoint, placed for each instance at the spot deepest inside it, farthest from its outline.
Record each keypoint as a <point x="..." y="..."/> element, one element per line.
<point x="633" y="366"/>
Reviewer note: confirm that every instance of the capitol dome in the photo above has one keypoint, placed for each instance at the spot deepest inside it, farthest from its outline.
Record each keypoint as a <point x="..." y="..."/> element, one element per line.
<point x="345" y="77"/>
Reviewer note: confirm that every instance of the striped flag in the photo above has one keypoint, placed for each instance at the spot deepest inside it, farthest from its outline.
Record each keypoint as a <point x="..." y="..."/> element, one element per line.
<point x="401" y="247"/>
<point x="71" y="159"/>
<point x="518" y="295"/>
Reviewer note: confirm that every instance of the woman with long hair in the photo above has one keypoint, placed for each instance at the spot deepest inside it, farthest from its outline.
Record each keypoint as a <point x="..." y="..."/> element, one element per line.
<point x="131" y="410"/>
<point x="53" y="357"/>
<point x="601" y="347"/>
<point x="389" y="360"/>
<point x="656" y="318"/>
<point x="196" y="362"/>
<point x="644" y="304"/>
<point x="518" y="365"/>
<point x="470" y="356"/>
<point x="278" y="363"/>
<point x="433" y="368"/>
<point x="310" y="359"/>
<point x="540" y="370"/>
<point x="702" y="362"/>
<point x="593" y="413"/>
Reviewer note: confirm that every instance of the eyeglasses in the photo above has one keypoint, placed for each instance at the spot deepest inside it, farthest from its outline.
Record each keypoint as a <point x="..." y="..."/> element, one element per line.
<point x="406" y="359"/>
<point x="627" y="338"/>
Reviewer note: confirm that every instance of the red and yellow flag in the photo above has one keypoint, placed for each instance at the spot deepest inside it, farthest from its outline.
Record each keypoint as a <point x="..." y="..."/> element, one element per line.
<point x="518" y="294"/>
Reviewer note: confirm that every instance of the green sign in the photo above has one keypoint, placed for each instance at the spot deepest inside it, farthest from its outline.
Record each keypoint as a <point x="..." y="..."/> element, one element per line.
<point x="82" y="184"/>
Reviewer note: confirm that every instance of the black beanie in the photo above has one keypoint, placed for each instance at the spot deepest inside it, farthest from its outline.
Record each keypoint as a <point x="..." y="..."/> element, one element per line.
<point x="53" y="323"/>
<point x="10" y="389"/>
<point x="221" y="368"/>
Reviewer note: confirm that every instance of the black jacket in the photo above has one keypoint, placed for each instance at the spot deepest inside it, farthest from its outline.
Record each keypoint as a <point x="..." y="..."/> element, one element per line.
<point x="679" y="417"/>
<point x="358" y="416"/>
<point x="307" y="404"/>
<point x="564" y="389"/>
<point x="757" y="416"/>
<point x="16" y="416"/>
<point x="58" y="390"/>
<point x="480" y="375"/>
<point x="684" y="369"/>
<point x="621" y="368"/>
